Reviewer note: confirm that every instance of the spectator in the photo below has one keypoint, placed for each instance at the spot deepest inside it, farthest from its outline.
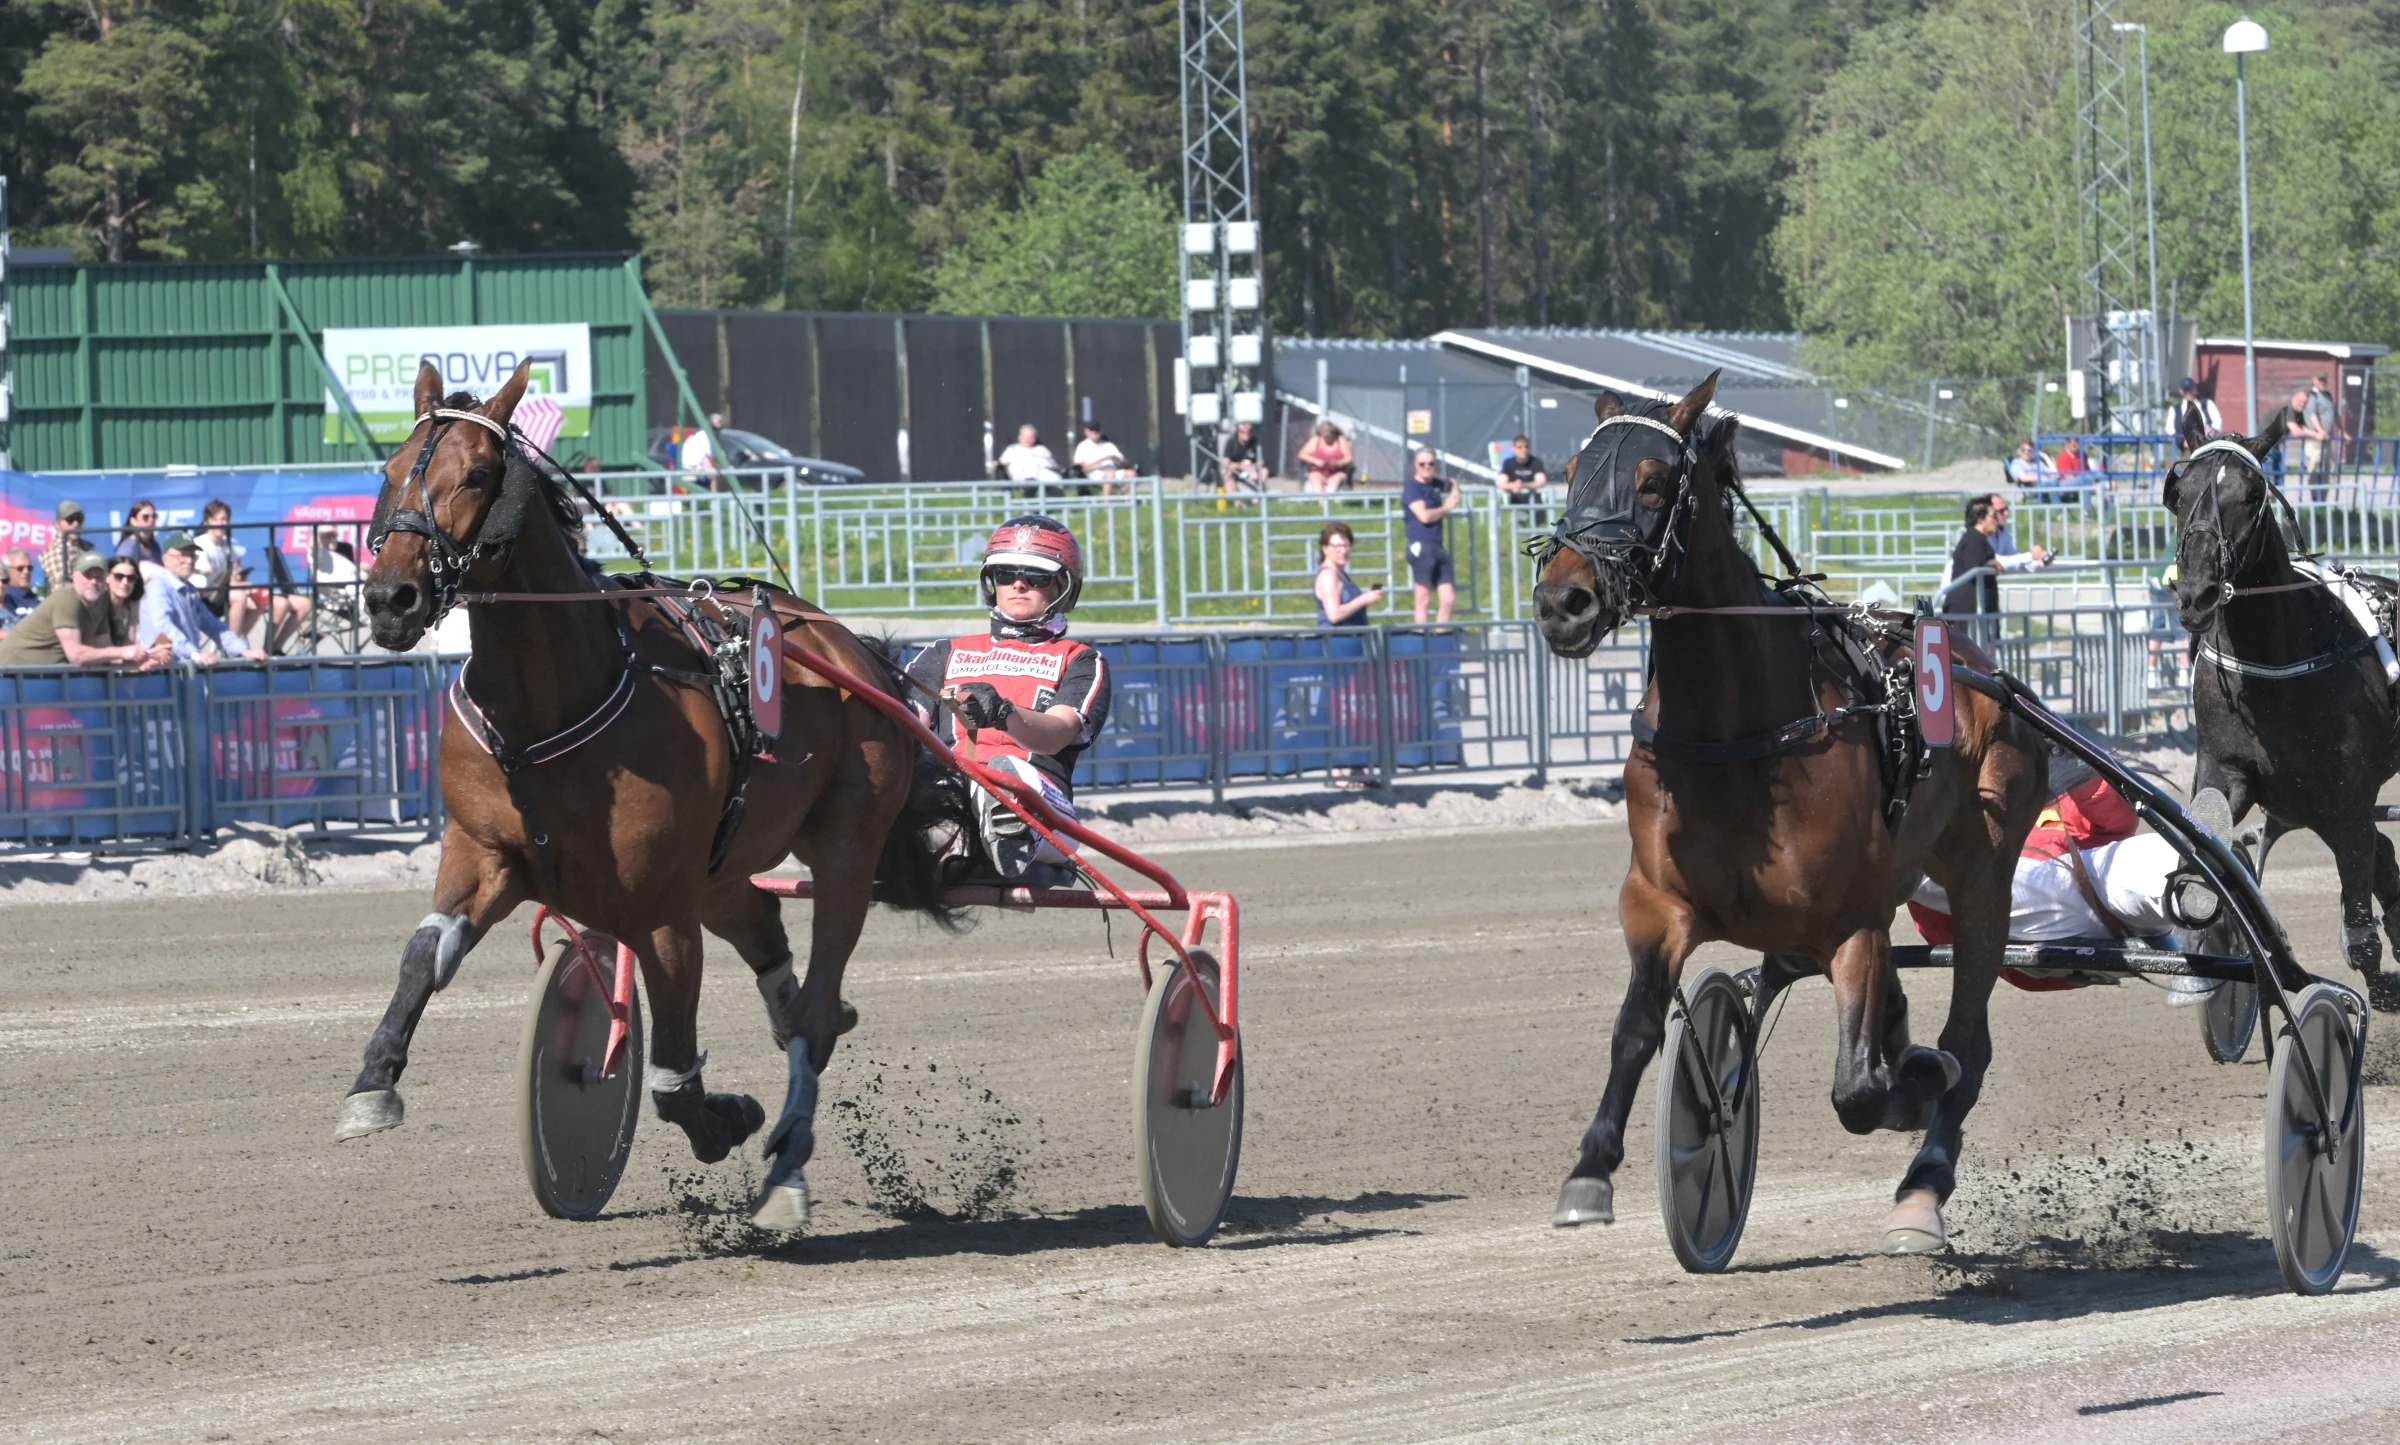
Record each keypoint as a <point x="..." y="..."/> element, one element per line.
<point x="334" y="579"/>
<point x="2189" y="401"/>
<point x="1961" y="592"/>
<point x="18" y="600"/>
<point x="1028" y="460"/>
<point x="72" y="626"/>
<point x="1243" y="465"/>
<point x="2028" y="468"/>
<point x="1340" y="601"/>
<point x="1428" y="497"/>
<point x="140" y="541"/>
<point x="1100" y="459"/>
<point x="1522" y="477"/>
<point x="2318" y="408"/>
<point x="2069" y="464"/>
<point x="222" y="569"/>
<point x="697" y="455"/>
<point x="2004" y="541"/>
<point x="177" y="612"/>
<point x="124" y="597"/>
<point x="1327" y="460"/>
<point x="66" y="539"/>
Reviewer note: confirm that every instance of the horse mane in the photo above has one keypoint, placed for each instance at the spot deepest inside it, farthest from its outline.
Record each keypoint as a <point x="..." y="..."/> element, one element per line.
<point x="521" y="470"/>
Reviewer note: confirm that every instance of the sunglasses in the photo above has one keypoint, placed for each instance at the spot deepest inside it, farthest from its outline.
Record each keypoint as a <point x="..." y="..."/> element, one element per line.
<point x="124" y="576"/>
<point x="20" y="567"/>
<point x="1022" y="576"/>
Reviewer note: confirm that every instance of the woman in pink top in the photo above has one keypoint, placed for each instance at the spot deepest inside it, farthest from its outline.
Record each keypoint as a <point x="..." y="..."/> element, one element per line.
<point x="1328" y="459"/>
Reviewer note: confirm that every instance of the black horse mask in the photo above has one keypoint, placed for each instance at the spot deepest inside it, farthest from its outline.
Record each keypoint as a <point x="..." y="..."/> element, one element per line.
<point x="1635" y="542"/>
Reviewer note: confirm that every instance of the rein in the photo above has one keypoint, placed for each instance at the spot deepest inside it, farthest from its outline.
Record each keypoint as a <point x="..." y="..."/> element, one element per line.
<point x="2233" y="556"/>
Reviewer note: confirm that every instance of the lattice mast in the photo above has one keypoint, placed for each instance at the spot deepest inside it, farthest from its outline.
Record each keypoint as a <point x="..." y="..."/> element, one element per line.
<point x="2121" y="361"/>
<point x="1223" y="340"/>
<point x="7" y="399"/>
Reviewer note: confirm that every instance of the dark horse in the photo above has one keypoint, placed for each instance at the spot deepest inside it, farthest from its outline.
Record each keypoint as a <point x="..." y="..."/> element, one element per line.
<point x="615" y="830"/>
<point x="1757" y="798"/>
<point x="2289" y="694"/>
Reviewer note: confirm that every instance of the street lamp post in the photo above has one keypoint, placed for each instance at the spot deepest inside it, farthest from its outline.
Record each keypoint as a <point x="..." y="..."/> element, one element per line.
<point x="2245" y="37"/>
<point x="2158" y="339"/>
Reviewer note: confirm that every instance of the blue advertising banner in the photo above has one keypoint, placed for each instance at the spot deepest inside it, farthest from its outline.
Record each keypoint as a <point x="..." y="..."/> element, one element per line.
<point x="29" y="504"/>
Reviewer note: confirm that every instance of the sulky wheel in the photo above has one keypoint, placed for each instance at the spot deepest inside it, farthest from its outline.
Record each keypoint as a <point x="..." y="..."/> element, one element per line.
<point x="1708" y="1137"/>
<point x="1185" y="1148"/>
<point x="2227" y="1020"/>
<point x="574" y="1123"/>
<point x="2314" y="1173"/>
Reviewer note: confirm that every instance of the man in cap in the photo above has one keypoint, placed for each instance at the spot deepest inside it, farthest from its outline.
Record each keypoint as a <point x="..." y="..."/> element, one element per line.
<point x="172" y="608"/>
<point x="71" y="626"/>
<point x="1022" y="698"/>
<point x="66" y="539"/>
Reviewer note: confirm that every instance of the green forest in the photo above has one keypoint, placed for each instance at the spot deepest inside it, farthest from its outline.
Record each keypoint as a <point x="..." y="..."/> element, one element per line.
<point x="1896" y="178"/>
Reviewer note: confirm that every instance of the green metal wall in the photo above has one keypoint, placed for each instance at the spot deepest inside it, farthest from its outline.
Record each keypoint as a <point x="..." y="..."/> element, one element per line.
<point x="205" y="365"/>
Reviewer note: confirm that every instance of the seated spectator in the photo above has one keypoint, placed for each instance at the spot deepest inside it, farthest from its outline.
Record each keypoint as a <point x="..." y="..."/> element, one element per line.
<point x="1327" y="460"/>
<point x="140" y="541"/>
<point x="66" y="539"/>
<point x="2069" y="462"/>
<point x="18" y="600"/>
<point x="174" y="610"/>
<point x="71" y="627"/>
<point x="1100" y="459"/>
<point x="1244" y="467"/>
<point x="1522" y="477"/>
<point x="2028" y="468"/>
<point x="1028" y="460"/>
<point x="222" y="562"/>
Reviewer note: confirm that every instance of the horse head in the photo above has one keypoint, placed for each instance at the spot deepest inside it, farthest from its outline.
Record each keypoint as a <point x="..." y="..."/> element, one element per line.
<point x="439" y="491"/>
<point x="1626" y="528"/>
<point x="2220" y="497"/>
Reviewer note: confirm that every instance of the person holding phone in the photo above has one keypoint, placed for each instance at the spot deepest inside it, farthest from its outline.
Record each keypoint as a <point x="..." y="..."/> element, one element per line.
<point x="1428" y="497"/>
<point x="1340" y="601"/>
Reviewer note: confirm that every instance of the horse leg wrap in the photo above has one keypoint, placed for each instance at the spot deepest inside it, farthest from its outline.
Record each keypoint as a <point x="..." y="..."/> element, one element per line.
<point x="781" y="989"/>
<point x="2365" y="948"/>
<point x="663" y="1082"/>
<point x="452" y="937"/>
<point x="784" y="1204"/>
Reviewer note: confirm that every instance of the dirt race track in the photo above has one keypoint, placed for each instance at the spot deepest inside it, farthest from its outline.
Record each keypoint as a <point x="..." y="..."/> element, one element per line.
<point x="186" y="1254"/>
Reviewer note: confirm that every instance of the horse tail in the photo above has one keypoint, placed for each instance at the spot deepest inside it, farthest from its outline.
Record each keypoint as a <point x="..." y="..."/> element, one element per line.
<point x="909" y="875"/>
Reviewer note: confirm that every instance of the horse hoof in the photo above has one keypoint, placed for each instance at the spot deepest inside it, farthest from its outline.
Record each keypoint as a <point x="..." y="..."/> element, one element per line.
<point x="2383" y="992"/>
<point x="1585" y="1201"/>
<point x="783" y="1208"/>
<point x="849" y="1019"/>
<point x="369" y="1111"/>
<point x="1947" y="1062"/>
<point x="732" y="1119"/>
<point x="1915" y="1225"/>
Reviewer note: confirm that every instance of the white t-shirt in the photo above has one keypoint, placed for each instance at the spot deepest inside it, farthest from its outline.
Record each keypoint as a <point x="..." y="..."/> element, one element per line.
<point x="2046" y="904"/>
<point x="219" y="560"/>
<point x="1033" y="463"/>
<point x="698" y="456"/>
<point x="1099" y="456"/>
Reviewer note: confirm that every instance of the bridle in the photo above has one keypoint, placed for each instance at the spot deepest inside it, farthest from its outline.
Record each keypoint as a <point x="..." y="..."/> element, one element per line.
<point x="2234" y="554"/>
<point x="1612" y="542"/>
<point x="448" y="558"/>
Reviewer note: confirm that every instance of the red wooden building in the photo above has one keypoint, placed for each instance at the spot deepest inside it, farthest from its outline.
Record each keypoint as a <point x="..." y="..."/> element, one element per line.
<point x="2285" y="367"/>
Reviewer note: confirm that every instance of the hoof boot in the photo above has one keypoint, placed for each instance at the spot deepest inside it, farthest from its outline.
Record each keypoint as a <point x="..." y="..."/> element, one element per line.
<point x="1585" y="1201"/>
<point x="369" y="1111"/>
<point x="783" y="1207"/>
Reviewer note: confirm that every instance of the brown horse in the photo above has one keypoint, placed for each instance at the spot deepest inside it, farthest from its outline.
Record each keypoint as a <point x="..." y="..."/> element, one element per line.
<point x="1757" y="801"/>
<point x="602" y="775"/>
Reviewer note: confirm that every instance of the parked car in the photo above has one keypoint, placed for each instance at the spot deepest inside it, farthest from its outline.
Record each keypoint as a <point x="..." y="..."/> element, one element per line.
<point x="749" y="449"/>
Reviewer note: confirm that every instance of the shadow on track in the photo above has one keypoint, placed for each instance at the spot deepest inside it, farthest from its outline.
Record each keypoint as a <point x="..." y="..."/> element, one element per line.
<point x="1250" y="1223"/>
<point x="2049" y="1280"/>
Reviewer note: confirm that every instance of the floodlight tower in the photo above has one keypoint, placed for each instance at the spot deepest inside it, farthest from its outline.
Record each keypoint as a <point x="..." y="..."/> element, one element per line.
<point x="2124" y="363"/>
<point x="6" y="399"/>
<point x="1224" y="339"/>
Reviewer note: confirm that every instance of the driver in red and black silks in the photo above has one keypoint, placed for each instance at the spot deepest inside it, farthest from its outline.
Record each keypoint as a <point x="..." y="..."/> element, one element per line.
<point x="1031" y="698"/>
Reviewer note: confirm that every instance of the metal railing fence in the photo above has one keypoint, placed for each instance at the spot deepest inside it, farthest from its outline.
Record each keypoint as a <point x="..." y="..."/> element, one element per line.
<point x="171" y="756"/>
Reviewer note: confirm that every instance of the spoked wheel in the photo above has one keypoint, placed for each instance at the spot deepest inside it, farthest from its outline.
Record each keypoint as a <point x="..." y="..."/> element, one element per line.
<point x="574" y="1123"/>
<point x="2228" y="1019"/>
<point x="1185" y="1148"/>
<point x="1708" y="1123"/>
<point x="2314" y="1172"/>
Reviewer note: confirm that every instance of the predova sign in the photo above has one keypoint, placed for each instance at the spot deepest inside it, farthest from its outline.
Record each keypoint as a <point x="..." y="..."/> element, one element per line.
<point x="378" y="367"/>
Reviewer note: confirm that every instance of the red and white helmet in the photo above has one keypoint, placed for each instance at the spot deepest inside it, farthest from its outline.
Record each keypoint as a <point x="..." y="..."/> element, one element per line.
<point x="1041" y="543"/>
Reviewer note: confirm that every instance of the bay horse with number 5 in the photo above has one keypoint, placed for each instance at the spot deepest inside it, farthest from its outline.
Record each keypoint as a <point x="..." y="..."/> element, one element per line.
<point x="1758" y="805"/>
<point x="603" y="773"/>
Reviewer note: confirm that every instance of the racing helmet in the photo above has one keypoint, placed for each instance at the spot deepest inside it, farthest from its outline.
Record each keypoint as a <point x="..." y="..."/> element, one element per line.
<point x="1041" y="543"/>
